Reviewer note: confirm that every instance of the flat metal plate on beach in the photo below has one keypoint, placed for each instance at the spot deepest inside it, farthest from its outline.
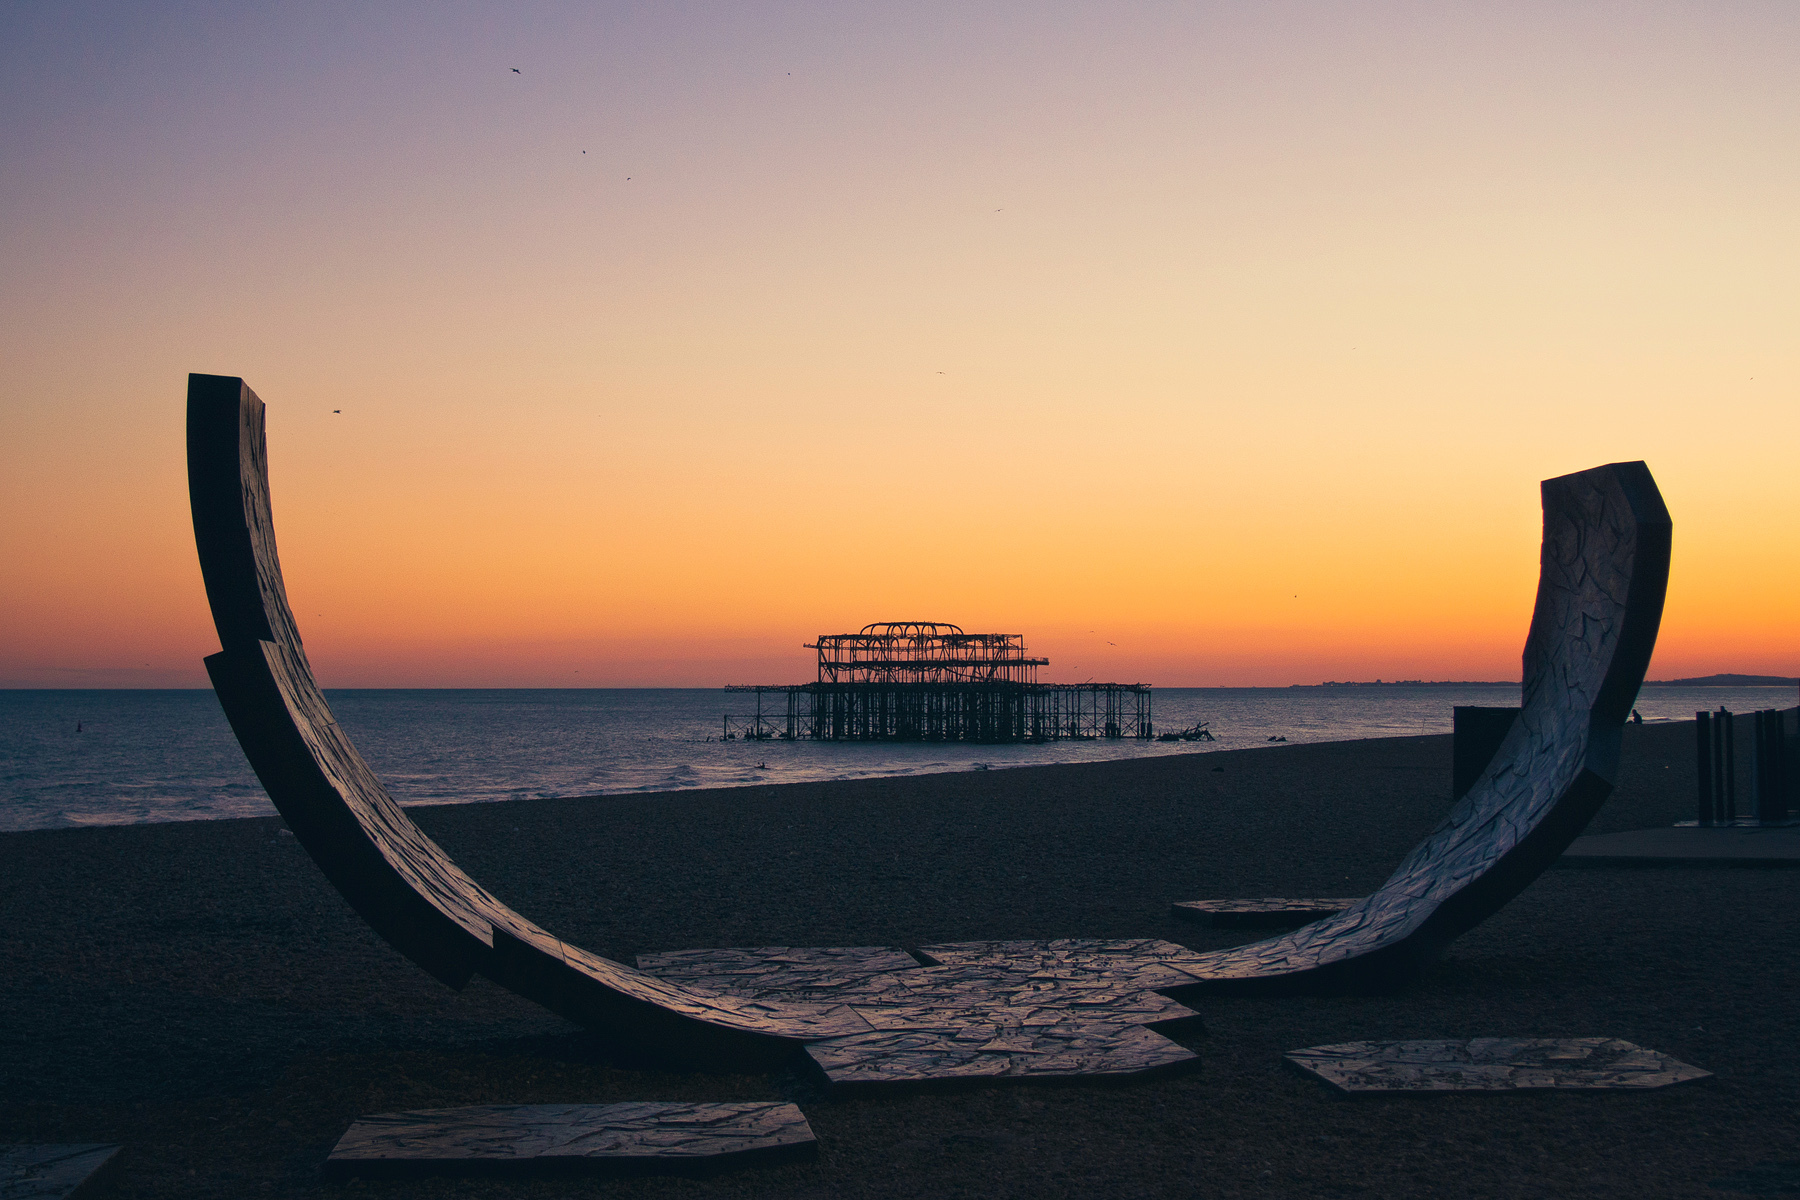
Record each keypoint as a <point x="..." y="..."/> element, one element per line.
<point x="1763" y="1179"/>
<point x="985" y="1051"/>
<point x="1264" y="912"/>
<point x="1492" y="1065"/>
<point x="1071" y="963"/>
<point x="602" y="1139"/>
<point x="851" y="974"/>
<point x="1688" y="846"/>
<point x="1072" y="1008"/>
<point x="54" y="1171"/>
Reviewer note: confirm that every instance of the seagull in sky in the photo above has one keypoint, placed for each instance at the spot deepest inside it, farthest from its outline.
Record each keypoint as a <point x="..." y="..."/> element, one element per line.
<point x="516" y="71"/>
<point x="337" y="410"/>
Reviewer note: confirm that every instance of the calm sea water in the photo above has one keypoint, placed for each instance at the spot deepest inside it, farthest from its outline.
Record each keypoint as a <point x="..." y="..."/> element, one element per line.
<point x="169" y="755"/>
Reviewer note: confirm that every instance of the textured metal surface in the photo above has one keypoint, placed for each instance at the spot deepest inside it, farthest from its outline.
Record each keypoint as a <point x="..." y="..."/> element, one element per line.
<point x="1260" y="913"/>
<point x="55" y="1171"/>
<point x="996" y="1051"/>
<point x="1069" y="963"/>
<point x="848" y="974"/>
<point x="1491" y="1065"/>
<point x="395" y="877"/>
<point x="1603" y="571"/>
<point x="520" y="1139"/>
<point x="983" y="1011"/>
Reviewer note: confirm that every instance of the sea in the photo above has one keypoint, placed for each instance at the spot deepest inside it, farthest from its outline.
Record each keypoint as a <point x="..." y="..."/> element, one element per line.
<point x="119" y="757"/>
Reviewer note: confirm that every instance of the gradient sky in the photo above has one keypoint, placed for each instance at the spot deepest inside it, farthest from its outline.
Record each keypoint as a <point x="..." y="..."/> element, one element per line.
<point x="1239" y="335"/>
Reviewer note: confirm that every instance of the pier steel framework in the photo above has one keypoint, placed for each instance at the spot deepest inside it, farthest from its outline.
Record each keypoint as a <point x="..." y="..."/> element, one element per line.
<point x="927" y="681"/>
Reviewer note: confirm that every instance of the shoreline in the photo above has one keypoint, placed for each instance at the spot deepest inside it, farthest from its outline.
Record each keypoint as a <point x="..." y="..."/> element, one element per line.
<point x="648" y="793"/>
<point x="416" y="806"/>
<point x="196" y="991"/>
<point x="149" y="756"/>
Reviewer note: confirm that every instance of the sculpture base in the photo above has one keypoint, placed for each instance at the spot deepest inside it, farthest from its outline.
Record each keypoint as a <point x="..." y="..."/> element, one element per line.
<point x="969" y="1012"/>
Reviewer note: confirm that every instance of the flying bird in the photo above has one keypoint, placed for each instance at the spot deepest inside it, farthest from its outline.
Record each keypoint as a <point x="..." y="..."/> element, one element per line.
<point x="516" y="71"/>
<point x="337" y="410"/>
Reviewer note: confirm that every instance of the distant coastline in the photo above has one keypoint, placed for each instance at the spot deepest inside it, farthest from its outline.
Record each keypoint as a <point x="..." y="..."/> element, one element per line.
<point x="1722" y="680"/>
<point x="1444" y="683"/>
<point x="1727" y="681"/>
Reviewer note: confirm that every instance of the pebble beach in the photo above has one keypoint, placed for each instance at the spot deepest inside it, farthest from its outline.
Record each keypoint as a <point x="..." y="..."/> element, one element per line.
<point x="196" y="991"/>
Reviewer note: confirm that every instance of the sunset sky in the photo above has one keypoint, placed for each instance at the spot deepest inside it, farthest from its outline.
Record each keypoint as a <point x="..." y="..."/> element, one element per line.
<point x="1199" y="343"/>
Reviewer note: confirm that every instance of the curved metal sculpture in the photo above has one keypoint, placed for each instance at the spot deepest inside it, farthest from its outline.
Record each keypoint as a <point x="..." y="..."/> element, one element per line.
<point x="1605" y="566"/>
<point x="1603" y="571"/>
<point x="396" y="878"/>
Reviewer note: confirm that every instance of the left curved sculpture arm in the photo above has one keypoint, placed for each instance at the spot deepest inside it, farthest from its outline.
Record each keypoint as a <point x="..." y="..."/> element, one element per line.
<point x="396" y="878"/>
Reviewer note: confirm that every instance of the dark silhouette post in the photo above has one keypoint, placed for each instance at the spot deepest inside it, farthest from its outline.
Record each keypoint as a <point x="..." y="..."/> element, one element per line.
<point x="1727" y="750"/>
<point x="1778" y="765"/>
<point x="1703" y="757"/>
<point x="1759" y="763"/>
<point x="1476" y="734"/>
<point x="1771" y="768"/>
<point x="1790" y="760"/>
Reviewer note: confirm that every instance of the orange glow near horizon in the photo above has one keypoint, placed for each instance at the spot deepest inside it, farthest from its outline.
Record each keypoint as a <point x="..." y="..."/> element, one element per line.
<point x="1206" y="348"/>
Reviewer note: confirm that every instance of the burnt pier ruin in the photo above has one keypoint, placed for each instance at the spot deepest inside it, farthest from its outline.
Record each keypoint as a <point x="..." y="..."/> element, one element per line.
<point x="928" y="681"/>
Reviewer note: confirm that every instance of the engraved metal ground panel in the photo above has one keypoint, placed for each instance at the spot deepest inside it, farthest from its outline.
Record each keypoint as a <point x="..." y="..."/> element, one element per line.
<point x="992" y="1052"/>
<point x="860" y="974"/>
<point x="1492" y="1065"/>
<point x="984" y="1011"/>
<point x="1764" y="1179"/>
<point x="537" y="1139"/>
<point x="54" y="1171"/>
<point x="1075" y="963"/>
<point x="1264" y="912"/>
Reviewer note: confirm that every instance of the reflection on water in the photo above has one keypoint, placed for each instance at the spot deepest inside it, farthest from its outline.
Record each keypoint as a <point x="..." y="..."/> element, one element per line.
<point x="169" y="756"/>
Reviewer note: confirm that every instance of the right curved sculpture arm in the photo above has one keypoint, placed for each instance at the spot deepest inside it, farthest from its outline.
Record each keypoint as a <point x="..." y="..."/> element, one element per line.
<point x="1603" y="572"/>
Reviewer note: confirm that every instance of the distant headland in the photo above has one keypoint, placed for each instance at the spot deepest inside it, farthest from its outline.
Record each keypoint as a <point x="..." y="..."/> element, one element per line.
<point x="1410" y="683"/>
<point x="1698" y="681"/>
<point x="1727" y="681"/>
